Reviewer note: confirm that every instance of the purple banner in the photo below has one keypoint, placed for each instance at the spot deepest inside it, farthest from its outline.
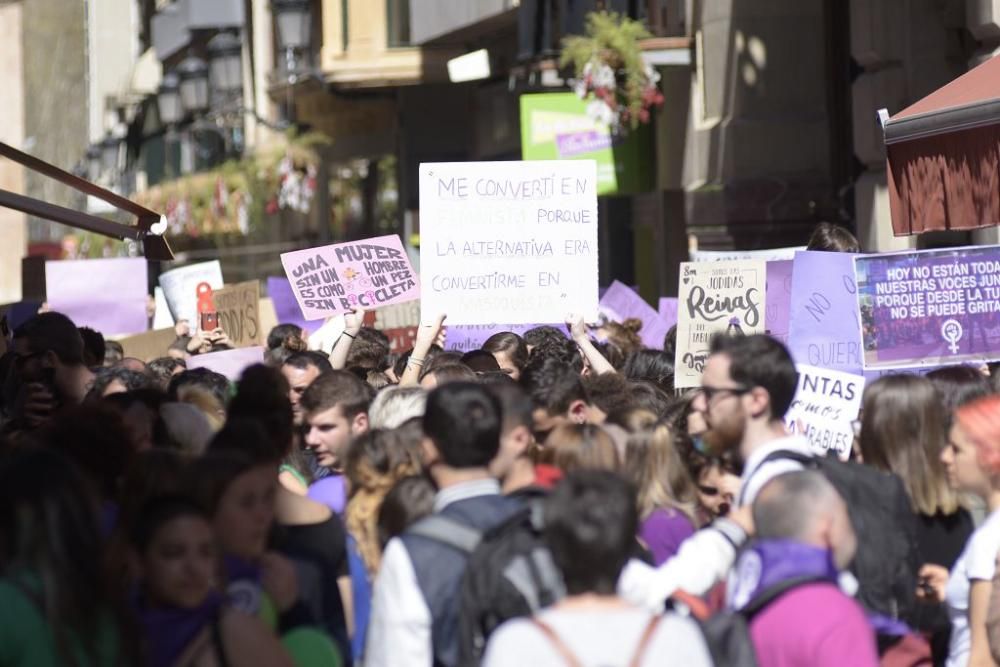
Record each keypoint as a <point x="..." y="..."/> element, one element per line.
<point x="579" y="143"/>
<point x="620" y="303"/>
<point x="668" y="309"/>
<point x="823" y="325"/>
<point x="929" y="308"/>
<point x="286" y="307"/>
<point x="108" y="295"/>
<point x="467" y="337"/>
<point x="778" y="299"/>
<point x="230" y="363"/>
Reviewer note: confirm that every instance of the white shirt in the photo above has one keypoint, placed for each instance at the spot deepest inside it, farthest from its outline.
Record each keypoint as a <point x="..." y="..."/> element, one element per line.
<point x="755" y="475"/>
<point x="606" y="638"/>
<point x="399" y="630"/>
<point x="977" y="563"/>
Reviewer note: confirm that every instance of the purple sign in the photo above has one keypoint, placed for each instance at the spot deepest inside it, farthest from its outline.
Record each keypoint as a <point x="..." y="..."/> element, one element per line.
<point x="668" y="309"/>
<point x="823" y="325"/>
<point x="108" y="295"/>
<point x="778" y="299"/>
<point x="230" y="363"/>
<point x="286" y="307"/>
<point x="929" y="308"/>
<point x="468" y="337"/>
<point x="620" y="303"/>
<point x="579" y="143"/>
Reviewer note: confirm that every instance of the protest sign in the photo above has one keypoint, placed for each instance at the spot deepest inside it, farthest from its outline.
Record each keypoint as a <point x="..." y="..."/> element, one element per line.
<point x="779" y="299"/>
<point x="620" y="303"/>
<point x="335" y="279"/>
<point x="108" y="295"/>
<point x="715" y="297"/>
<point x="825" y="406"/>
<point x="668" y="309"/>
<point x="516" y="240"/>
<point x="230" y="363"/>
<point x="161" y="316"/>
<point x="239" y="313"/>
<point x="768" y="255"/>
<point x="467" y="337"/>
<point x="268" y="318"/>
<point x="148" y="345"/>
<point x="930" y="307"/>
<point x="286" y="308"/>
<point x="180" y="285"/>
<point x="823" y="321"/>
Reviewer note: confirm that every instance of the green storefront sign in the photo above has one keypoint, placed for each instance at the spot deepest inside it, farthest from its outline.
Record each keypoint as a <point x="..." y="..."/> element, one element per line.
<point x="555" y="126"/>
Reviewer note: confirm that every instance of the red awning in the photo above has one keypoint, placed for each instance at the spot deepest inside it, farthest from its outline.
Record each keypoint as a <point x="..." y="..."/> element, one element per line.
<point x="943" y="156"/>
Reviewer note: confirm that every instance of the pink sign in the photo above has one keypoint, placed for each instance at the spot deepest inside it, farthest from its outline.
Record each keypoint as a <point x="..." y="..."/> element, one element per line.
<point x="335" y="279"/>
<point x="230" y="363"/>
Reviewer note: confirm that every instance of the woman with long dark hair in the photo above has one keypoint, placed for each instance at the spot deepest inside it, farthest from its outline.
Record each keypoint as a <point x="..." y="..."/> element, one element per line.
<point x="56" y="607"/>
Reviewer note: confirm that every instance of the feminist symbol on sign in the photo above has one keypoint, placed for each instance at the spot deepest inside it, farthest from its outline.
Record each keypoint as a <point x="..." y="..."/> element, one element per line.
<point x="952" y="332"/>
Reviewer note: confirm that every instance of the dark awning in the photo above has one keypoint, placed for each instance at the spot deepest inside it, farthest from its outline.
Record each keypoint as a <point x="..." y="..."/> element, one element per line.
<point x="147" y="230"/>
<point x="943" y="156"/>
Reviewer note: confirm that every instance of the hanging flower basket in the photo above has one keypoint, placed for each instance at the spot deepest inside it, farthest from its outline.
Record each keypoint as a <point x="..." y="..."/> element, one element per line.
<point x="610" y="71"/>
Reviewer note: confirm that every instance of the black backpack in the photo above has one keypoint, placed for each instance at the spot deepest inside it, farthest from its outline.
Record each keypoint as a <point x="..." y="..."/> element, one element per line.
<point x="510" y="574"/>
<point x="887" y="560"/>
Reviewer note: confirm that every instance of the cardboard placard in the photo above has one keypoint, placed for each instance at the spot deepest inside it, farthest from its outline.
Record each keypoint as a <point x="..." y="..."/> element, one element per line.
<point x="930" y="307"/>
<point x="238" y="306"/>
<point x="825" y="406"/>
<point x="335" y="279"/>
<point x="620" y="303"/>
<point x="149" y="345"/>
<point x="714" y="297"/>
<point x="768" y="255"/>
<point x="180" y="285"/>
<point x="108" y="295"/>
<point x="508" y="240"/>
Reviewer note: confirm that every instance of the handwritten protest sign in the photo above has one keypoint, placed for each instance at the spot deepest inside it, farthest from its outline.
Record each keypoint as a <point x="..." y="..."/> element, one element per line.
<point x="823" y="325"/>
<point x="337" y="278"/>
<point x="668" y="309"/>
<point x="928" y="308"/>
<point x="779" y="299"/>
<point x="715" y="297"/>
<point x="180" y="285"/>
<point x="825" y="406"/>
<point x="620" y="303"/>
<point x="161" y="316"/>
<point x="239" y="313"/>
<point x="510" y="239"/>
<point x="768" y="255"/>
<point x="108" y="295"/>
<point x="230" y="363"/>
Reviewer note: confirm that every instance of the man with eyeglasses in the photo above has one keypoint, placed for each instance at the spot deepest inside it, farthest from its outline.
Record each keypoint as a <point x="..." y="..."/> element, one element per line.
<point x="747" y="386"/>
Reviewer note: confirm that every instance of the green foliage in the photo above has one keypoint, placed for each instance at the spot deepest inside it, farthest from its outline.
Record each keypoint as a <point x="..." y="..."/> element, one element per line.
<point x="613" y="40"/>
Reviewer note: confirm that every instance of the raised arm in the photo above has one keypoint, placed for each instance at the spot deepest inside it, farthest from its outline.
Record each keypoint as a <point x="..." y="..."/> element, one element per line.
<point x="578" y="331"/>
<point x="427" y="335"/>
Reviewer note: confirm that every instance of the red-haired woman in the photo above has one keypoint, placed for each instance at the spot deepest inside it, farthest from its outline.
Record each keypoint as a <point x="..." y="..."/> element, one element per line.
<point x="972" y="460"/>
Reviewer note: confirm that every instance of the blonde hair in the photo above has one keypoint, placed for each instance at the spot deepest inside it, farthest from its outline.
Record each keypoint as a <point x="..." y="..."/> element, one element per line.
<point x="654" y="465"/>
<point x="374" y="462"/>
<point x="580" y="447"/>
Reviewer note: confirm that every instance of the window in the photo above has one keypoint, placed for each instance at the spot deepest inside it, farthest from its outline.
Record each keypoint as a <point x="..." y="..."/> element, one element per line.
<point x="398" y="23"/>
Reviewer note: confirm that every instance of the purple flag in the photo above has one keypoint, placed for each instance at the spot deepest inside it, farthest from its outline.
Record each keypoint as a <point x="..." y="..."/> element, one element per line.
<point x="230" y="363"/>
<point x="108" y="295"/>
<point x="285" y="306"/>
<point x="620" y="303"/>
<point x="778" y="298"/>
<point x="668" y="309"/>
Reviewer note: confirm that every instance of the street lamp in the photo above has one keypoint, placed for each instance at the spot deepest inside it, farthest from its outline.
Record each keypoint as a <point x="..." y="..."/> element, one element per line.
<point x="294" y="19"/>
<point x="168" y="100"/>
<point x="225" y="63"/>
<point x="193" y="73"/>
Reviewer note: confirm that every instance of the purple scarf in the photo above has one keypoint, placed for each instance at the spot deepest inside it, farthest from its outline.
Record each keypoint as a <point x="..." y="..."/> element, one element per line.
<point x="169" y="630"/>
<point x="243" y="585"/>
<point x="767" y="563"/>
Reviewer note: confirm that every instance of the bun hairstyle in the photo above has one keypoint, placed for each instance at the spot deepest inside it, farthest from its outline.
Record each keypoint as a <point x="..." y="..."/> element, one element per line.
<point x="294" y="343"/>
<point x="632" y="324"/>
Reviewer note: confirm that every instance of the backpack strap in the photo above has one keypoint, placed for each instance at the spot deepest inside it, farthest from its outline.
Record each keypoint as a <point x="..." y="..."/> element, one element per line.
<point x="805" y="460"/>
<point x="645" y="639"/>
<point x="558" y="644"/>
<point x="771" y="594"/>
<point x="447" y="531"/>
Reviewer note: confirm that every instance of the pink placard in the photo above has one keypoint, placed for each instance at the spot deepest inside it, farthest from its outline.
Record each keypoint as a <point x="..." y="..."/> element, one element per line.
<point x="337" y="278"/>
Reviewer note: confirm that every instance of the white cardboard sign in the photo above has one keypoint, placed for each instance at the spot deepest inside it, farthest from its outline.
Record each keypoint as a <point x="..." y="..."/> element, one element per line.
<point x="825" y="406"/>
<point x="508" y="241"/>
<point x="180" y="288"/>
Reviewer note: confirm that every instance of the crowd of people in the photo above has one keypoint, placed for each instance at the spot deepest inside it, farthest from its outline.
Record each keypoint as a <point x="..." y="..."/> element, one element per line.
<point x="548" y="499"/>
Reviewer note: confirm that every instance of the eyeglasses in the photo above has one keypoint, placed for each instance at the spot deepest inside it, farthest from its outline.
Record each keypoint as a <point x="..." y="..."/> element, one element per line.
<point x="711" y="392"/>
